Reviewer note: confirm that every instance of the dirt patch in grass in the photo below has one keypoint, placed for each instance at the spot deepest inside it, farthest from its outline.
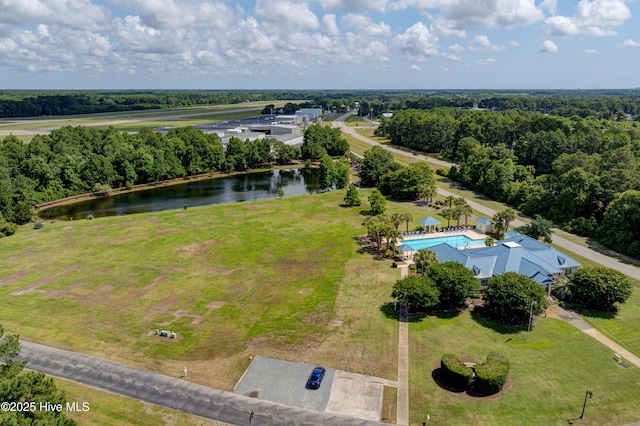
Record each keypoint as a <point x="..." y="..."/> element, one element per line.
<point x="10" y="279"/>
<point x="154" y="220"/>
<point x="215" y="304"/>
<point x="44" y="280"/>
<point x="105" y="289"/>
<point x="28" y="252"/>
<point x="76" y="284"/>
<point x="162" y="233"/>
<point x="198" y="249"/>
<point x="220" y="271"/>
<point x="181" y="216"/>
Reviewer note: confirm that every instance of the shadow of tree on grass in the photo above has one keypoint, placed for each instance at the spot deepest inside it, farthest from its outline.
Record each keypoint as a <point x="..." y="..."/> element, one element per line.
<point x="481" y="318"/>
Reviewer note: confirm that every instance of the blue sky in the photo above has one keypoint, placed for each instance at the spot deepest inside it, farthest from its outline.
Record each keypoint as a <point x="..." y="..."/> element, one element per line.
<point x="319" y="44"/>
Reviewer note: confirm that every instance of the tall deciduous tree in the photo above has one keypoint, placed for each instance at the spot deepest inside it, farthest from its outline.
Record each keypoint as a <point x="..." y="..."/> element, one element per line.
<point x="352" y="198"/>
<point x="454" y="282"/>
<point x="538" y="228"/>
<point x="599" y="287"/>
<point x="377" y="161"/>
<point x="378" y="203"/>
<point x="419" y="293"/>
<point x="509" y="298"/>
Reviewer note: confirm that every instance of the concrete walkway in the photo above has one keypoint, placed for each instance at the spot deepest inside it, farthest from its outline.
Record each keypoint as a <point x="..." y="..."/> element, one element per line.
<point x="173" y="392"/>
<point x="402" y="416"/>
<point x="556" y="311"/>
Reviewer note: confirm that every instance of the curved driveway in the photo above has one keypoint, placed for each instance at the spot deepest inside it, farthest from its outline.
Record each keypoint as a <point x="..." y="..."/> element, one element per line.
<point x="172" y="392"/>
<point x="610" y="262"/>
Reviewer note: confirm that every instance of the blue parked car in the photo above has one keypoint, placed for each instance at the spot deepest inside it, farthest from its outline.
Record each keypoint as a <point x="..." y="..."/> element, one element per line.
<point x="316" y="377"/>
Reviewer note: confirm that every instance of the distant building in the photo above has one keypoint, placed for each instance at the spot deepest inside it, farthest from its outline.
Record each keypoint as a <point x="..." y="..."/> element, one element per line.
<point x="288" y="119"/>
<point x="484" y="225"/>
<point x="310" y="113"/>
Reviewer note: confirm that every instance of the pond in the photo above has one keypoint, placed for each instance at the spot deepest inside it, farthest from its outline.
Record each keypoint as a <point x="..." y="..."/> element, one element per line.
<point x="248" y="187"/>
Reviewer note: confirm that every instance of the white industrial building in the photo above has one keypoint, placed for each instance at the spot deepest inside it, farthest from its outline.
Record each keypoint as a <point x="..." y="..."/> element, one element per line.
<point x="288" y="119"/>
<point x="309" y="113"/>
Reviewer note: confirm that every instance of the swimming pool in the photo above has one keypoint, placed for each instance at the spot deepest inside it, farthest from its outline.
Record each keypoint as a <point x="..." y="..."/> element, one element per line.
<point x="455" y="241"/>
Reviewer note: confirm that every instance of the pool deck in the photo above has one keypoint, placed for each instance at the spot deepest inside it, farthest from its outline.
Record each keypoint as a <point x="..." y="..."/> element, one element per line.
<point x="471" y="233"/>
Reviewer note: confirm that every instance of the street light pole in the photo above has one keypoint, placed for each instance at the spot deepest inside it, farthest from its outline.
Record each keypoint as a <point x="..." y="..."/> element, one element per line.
<point x="587" y="394"/>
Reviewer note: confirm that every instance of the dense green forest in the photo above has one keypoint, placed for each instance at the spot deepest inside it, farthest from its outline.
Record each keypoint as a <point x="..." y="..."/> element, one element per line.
<point x="583" y="103"/>
<point x="581" y="173"/>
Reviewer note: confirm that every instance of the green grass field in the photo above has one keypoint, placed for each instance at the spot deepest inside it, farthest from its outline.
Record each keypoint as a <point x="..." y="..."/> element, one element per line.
<point x="550" y="371"/>
<point x="232" y="280"/>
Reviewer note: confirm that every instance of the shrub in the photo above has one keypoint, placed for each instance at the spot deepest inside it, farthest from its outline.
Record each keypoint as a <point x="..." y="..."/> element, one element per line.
<point x="442" y="172"/>
<point x="491" y="377"/>
<point x="38" y="225"/>
<point x="454" y="372"/>
<point x="412" y="268"/>
<point x="89" y="217"/>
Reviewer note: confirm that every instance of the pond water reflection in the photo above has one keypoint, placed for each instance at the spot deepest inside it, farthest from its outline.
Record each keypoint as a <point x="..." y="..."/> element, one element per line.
<point x="248" y="187"/>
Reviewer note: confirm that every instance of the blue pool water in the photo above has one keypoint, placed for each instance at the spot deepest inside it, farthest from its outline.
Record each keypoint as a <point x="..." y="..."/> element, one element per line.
<point x="455" y="241"/>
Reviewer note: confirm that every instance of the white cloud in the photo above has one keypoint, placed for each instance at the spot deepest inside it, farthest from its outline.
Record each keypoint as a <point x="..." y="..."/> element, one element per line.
<point x="354" y="5"/>
<point x="593" y="18"/>
<point x="287" y="14"/>
<point x="77" y="14"/>
<point x="451" y="57"/>
<point x="417" y="42"/>
<point x="487" y="61"/>
<point x="590" y="51"/>
<point x="631" y="43"/>
<point x="415" y="67"/>
<point x="482" y="14"/>
<point x="366" y="26"/>
<point x="329" y="25"/>
<point x="548" y="46"/>
<point x="456" y="48"/>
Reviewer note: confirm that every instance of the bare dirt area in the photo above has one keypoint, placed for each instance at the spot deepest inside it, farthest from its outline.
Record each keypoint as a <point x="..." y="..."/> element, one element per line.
<point x="198" y="249"/>
<point x="44" y="280"/>
<point x="13" y="277"/>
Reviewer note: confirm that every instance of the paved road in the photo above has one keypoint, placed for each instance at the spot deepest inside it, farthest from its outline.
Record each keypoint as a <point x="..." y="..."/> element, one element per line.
<point x="172" y="392"/>
<point x="610" y="262"/>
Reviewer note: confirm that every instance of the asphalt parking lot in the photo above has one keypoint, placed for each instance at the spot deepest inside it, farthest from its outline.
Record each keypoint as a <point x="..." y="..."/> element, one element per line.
<point x="341" y="392"/>
<point x="284" y="382"/>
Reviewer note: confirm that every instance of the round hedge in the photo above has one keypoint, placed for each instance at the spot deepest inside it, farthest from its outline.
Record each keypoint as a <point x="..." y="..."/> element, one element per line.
<point x="454" y="372"/>
<point x="491" y="377"/>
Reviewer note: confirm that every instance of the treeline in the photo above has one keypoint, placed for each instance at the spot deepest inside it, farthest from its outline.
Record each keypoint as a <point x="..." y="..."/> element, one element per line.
<point x="582" y="174"/>
<point x="617" y="104"/>
<point x="77" y="160"/>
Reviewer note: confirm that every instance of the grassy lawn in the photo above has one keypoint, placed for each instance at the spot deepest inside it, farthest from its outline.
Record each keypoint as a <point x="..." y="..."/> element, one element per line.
<point x="109" y="409"/>
<point x="550" y="371"/>
<point x="283" y="278"/>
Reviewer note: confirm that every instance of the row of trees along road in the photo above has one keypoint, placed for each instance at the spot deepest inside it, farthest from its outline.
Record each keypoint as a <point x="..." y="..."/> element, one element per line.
<point x="581" y="173"/>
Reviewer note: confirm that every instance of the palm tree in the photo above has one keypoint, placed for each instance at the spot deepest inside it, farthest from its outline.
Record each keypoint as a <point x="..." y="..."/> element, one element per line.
<point x="392" y="237"/>
<point x="466" y="211"/>
<point x="507" y="215"/>
<point x="396" y="218"/>
<point x="448" y="201"/>
<point x="427" y="192"/>
<point x="448" y="214"/>
<point x="457" y="211"/>
<point x="424" y="258"/>
<point x="498" y="224"/>
<point x="407" y="217"/>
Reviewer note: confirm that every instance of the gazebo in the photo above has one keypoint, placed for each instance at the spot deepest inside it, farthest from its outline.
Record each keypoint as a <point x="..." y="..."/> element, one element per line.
<point x="404" y="249"/>
<point x="429" y="221"/>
